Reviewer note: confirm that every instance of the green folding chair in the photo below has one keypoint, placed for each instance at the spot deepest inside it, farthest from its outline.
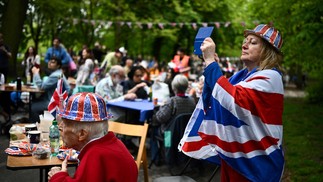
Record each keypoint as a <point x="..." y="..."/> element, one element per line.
<point x="84" y="88"/>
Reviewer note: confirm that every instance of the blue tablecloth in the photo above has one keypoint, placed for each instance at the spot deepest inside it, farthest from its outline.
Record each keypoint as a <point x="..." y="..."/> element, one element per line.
<point x="145" y="107"/>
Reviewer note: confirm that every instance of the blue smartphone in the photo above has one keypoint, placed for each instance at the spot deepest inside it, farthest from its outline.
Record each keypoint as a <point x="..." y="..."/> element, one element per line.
<point x="202" y="33"/>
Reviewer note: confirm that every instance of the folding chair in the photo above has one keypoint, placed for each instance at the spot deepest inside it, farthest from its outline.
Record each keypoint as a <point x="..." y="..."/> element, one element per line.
<point x="135" y="131"/>
<point x="169" y="141"/>
<point x="84" y="88"/>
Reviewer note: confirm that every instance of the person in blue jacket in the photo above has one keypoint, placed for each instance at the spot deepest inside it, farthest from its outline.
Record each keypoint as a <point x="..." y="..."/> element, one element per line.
<point x="48" y="85"/>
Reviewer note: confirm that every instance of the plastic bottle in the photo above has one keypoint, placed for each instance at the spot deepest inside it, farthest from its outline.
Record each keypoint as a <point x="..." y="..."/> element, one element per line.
<point x="28" y="78"/>
<point x="54" y="138"/>
<point x="18" y="83"/>
<point x="150" y="95"/>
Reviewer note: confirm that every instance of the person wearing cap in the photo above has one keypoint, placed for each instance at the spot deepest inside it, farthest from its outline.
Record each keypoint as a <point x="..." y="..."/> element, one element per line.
<point x="112" y="58"/>
<point x="239" y="119"/>
<point x="103" y="157"/>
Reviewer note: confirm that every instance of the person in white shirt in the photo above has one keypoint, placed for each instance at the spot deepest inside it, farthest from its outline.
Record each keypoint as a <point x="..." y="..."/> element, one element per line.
<point x="31" y="59"/>
<point x="111" y="90"/>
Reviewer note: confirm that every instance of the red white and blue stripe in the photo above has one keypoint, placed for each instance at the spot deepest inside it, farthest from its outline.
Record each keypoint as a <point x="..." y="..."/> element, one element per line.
<point x="86" y="106"/>
<point x="240" y="121"/>
<point x="58" y="98"/>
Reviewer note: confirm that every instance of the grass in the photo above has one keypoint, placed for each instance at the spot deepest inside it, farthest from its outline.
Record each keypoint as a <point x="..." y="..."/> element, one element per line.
<point x="303" y="135"/>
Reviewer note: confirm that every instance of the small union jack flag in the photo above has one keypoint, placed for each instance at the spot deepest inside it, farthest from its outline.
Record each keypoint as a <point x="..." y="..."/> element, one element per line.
<point x="59" y="97"/>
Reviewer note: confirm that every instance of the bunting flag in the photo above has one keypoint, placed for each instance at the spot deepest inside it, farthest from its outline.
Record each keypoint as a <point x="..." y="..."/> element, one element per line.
<point x="173" y="24"/>
<point x="194" y="26"/>
<point x="93" y="22"/>
<point x="59" y="97"/>
<point x="227" y="24"/>
<point x="217" y="24"/>
<point x="204" y="24"/>
<point x="233" y="122"/>
<point x="149" y="25"/>
<point x="129" y="24"/>
<point x="139" y="25"/>
<point x="160" y="25"/>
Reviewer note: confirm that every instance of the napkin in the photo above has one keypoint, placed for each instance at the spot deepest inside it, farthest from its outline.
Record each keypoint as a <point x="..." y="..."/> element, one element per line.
<point x="45" y="121"/>
<point x="21" y="148"/>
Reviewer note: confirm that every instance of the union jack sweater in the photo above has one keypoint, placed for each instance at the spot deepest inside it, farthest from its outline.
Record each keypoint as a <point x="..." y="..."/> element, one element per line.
<point x="240" y="121"/>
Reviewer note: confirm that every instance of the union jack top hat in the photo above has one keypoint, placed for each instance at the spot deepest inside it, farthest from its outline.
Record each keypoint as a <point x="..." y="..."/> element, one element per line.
<point x="85" y="107"/>
<point x="268" y="33"/>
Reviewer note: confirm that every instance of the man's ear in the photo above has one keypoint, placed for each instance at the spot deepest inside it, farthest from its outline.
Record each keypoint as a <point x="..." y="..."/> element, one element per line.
<point x="83" y="135"/>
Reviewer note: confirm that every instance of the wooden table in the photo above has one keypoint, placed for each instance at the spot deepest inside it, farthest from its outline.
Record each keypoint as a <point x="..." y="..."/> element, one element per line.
<point x="24" y="88"/>
<point x="30" y="162"/>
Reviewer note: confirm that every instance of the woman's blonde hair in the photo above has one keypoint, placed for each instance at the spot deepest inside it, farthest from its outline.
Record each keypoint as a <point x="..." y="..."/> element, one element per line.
<point x="270" y="57"/>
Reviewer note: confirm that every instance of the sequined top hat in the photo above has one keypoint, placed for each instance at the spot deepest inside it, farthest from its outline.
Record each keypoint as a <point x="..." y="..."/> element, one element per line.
<point x="268" y="33"/>
<point x="85" y="107"/>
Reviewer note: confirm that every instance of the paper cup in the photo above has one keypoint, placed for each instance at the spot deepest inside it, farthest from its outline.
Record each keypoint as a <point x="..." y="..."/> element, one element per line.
<point x="30" y="127"/>
<point x="34" y="136"/>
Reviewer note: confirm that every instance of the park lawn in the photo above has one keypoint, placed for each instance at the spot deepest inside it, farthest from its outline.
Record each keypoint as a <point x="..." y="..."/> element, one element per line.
<point x="303" y="140"/>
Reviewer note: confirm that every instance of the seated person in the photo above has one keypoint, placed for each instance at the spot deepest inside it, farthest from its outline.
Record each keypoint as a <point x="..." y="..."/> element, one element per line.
<point x="103" y="157"/>
<point x="178" y="104"/>
<point x="110" y="89"/>
<point x="49" y="85"/>
<point x="135" y="84"/>
<point x="3" y="103"/>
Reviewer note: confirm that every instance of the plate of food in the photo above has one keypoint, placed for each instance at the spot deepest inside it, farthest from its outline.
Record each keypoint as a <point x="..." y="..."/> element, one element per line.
<point x="70" y="154"/>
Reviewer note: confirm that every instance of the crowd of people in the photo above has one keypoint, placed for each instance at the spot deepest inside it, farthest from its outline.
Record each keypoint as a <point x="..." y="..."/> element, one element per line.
<point x="114" y="74"/>
<point x="238" y="120"/>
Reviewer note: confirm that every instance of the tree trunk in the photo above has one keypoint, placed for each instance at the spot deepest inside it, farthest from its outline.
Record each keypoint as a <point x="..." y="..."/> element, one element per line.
<point x="13" y="19"/>
<point x="157" y="45"/>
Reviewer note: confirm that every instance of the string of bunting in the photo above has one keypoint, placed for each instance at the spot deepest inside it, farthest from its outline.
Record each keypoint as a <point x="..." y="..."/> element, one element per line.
<point x="150" y="25"/>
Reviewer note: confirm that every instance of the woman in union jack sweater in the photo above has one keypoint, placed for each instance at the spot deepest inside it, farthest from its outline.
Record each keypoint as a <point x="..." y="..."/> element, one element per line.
<point x="238" y="122"/>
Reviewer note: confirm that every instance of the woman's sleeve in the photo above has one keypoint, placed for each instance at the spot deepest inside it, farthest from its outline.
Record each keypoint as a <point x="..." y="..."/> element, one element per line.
<point x="51" y="82"/>
<point x="165" y="112"/>
<point x="37" y="59"/>
<point x="37" y="80"/>
<point x="211" y="73"/>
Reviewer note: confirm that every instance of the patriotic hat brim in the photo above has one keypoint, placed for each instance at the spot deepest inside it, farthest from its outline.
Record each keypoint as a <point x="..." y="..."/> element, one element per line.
<point x="268" y="33"/>
<point x="85" y="107"/>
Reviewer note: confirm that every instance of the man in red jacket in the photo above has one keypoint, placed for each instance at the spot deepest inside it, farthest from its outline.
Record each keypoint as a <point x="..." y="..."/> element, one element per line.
<point x="103" y="157"/>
